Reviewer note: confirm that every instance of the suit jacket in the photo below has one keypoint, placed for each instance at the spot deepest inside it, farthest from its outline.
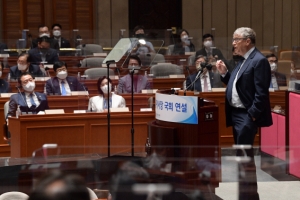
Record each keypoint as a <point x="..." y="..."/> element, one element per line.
<point x="17" y="99"/>
<point x="64" y="43"/>
<point x="35" y="70"/>
<point x="35" y="56"/>
<point x="180" y="50"/>
<point x="252" y="86"/>
<point x="53" y="44"/>
<point x="4" y="86"/>
<point x="125" y="84"/>
<point x="53" y="87"/>
<point x="197" y="84"/>
<point x="215" y="52"/>
<point x="280" y="78"/>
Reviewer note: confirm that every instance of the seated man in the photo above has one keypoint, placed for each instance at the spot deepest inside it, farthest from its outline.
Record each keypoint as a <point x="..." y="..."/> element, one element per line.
<point x="43" y="53"/>
<point x="277" y="79"/>
<point x="28" y="100"/>
<point x="62" y="84"/>
<point x="62" y="42"/>
<point x="44" y="31"/>
<point x="4" y="86"/>
<point x="140" y="82"/>
<point x="206" y="51"/>
<point x="24" y="65"/>
<point x="206" y="80"/>
<point x="142" y="48"/>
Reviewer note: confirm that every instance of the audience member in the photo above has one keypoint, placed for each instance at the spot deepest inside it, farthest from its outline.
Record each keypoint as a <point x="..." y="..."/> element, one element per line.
<point x="62" y="84"/>
<point x="277" y="79"/>
<point x="44" y="32"/>
<point x="140" y="82"/>
<point x="43" y="53"/>
<point x="142" y="48"/>
<point x="4" y="86"/>
<point x="62" y="42"/>
<point x="28" y="100"/>
<point x="206" y="80"/>
<point x="2" y="47"/>
<point x="206" y="51"/>
<point x="24" y="65"/>
<point x="185" y="45"/>
<point x="58" y="186"/>
<point x="99" y="103"/>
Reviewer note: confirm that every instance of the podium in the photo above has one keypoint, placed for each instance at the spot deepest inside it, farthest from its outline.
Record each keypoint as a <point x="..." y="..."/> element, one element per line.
<point x="183" y="143"/>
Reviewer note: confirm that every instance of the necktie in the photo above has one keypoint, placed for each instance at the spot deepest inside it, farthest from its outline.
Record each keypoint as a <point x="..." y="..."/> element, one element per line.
<point x="32" y="101"/>
<point x="63" y="89"/>
<point x="205" y="86"/>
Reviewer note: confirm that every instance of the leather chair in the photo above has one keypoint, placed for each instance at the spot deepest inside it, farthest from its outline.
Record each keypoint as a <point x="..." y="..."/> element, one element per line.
<point x="90" y="49"/>
<point x="170" y="49"/>
<point x="92" y="62"/>
<point x="95" y="73"/>
<point x="165" y="69"/>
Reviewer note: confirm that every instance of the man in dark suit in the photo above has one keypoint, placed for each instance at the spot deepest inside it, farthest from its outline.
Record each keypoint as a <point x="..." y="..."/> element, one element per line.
<point x="28" y="100"/>
<point x="247" y="102"/>
<point x="2" y="47"/>
<point x="207" y="40"/>
<point x="43" y="53"/>
<point x="62" y="42"/>
<point x="62" y="84"/>
<point x="206" y="80"/>
<point x="44" y="31"/>
<point x="277" y="79"/>
<point x="24" y="65"/>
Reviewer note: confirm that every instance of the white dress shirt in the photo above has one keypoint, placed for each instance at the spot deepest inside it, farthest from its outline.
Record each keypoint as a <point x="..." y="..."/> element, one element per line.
<point x="235" y="99"/>
<point x="35" y="99"/>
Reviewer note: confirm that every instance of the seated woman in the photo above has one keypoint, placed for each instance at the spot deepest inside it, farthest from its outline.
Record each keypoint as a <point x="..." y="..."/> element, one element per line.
<point x="99" y="103"/>
<point x="185" y="45"/>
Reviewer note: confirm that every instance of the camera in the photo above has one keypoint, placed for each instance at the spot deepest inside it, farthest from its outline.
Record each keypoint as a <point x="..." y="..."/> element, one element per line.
<point x="208" y="66"/>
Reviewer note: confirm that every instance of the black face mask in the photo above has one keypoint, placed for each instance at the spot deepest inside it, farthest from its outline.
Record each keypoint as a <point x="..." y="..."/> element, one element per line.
<point x="236" y="58"/>
<point x="140" y="35"/>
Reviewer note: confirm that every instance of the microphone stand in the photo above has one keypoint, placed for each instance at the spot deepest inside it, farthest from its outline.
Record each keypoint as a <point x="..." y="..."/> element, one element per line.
<point x="132" y="115"/>
<point x="197" y="77"/>
<point x="108" y="108"/>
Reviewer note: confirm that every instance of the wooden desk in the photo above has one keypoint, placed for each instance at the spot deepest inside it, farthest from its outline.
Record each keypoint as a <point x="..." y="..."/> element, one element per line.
<point x="89" y="130"/>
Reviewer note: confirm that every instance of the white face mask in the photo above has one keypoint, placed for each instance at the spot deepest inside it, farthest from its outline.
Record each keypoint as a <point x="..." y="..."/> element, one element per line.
<point x="184" y="38"/>
<point x="22" y="67"/>
<point x="29" y="86"/>
<point x="62" y="74"/>
<point x="208" y="43"/>
<point x="105" y="89"/>
<point x="45" y="34"/>
<point x="273" y="67"/>
<point x="57" y="33"/>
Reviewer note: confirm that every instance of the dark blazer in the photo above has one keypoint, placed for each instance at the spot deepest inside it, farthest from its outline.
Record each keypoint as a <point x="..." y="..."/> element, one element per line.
<point x="280" y="78"/>
<point x="180" y="50"/>
<point x="53" y="87"/>
<point x="35" y="56"/>
<point x="35" y="70"/>
<point x="53" y="44"/>
<point x="17" y="99"/>
<point x="252" y="86"/>
<point x="4" y="86"/>
<point x="2" y="47"/>
<point x="214" y="53"/>
<point x="64" y="43"/>
<point x="197" y="84"/>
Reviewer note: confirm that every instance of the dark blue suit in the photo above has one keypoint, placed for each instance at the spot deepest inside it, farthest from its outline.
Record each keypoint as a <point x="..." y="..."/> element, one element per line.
<point x="53" y="87"/>
<point x="252" y="86"/>
<point x="17" y="99"/>
<point x="4" y="86"/>
<point x="35" y="70"/>
<point x="36" y="58"/>
<point x="197" y="84"/>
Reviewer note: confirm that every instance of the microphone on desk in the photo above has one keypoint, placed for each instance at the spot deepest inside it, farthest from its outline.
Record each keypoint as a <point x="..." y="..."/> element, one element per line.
<point x="197" y="77"/>
<point x="20" y="94"/>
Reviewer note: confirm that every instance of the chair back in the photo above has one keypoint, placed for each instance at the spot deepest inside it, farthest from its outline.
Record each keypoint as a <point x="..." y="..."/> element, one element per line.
<point x="165" y="69"/>
<point x="92" y="62"/>
<point x="95" y="73"/>
<point x="90" y="49"/>
<point x="286" y="55"/>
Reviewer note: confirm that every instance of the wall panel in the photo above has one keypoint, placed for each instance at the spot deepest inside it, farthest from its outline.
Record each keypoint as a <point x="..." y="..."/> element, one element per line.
<point x="287" y="24"/>
<point x="278" y="20"/>
<point x="257" y="21"/>
<point x="268" y="24"/>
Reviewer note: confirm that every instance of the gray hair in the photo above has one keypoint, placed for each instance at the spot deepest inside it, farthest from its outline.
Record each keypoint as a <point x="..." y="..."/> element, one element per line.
<point x="246" y="32"/>
<point x="200" y="56"/>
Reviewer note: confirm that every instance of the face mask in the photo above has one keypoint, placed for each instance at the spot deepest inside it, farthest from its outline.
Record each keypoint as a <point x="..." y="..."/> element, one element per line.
<point x="184" y="38"/>
<point x="45" y="34"/>
<point x="105" y="89"/>
<point x="22" y="67"/>
<point x="29" y="86"/>
<point x="57" y="33"/>
<point x="273" y="67"/>
<point x="62" y="74"/>
<point x="140" y="35"/>
<point x="208" y="43"/>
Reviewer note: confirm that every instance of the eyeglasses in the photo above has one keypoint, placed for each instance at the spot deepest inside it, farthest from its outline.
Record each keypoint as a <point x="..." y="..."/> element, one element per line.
<point x="237" y="39"/>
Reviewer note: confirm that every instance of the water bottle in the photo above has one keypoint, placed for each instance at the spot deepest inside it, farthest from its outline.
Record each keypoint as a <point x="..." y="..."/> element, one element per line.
<point x="18" y="112"/>
<point x="8" y="77"/>
<point x="116" y="89"/>
<point x="78" y="75"/>
<point x="45" y="90"/>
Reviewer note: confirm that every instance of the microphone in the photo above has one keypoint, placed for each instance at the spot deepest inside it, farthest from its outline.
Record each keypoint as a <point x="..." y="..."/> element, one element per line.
<point x="20" y="94"/>
<point x="197" y="77"/>
<point x="88" y="96"/>
<point x="83" y="50"/>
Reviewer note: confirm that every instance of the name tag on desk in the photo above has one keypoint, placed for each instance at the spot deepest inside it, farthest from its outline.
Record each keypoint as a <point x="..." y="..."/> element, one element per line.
<point x="79" y="93"/>
<point x="55" y="111"/>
